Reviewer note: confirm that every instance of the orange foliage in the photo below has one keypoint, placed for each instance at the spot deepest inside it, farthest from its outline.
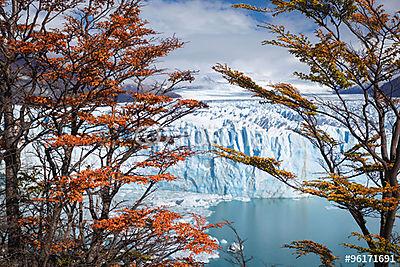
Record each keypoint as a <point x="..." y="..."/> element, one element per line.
<point x="343" y="191"/>
<point x="129" y="218"/>
<point x="162" y="223"/>
<point x="74" y="140"/>
<point x="165" y="159"/>
<point x="72" y="188"/>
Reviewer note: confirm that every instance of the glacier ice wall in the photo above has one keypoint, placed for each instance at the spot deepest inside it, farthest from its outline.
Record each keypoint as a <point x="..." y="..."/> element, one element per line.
<point x="250" y="127"/>
<point x="255" y="129"/>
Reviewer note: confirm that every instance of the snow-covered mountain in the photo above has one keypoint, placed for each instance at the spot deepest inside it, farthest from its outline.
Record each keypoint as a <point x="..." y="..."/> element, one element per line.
<point x="252" y="128"/>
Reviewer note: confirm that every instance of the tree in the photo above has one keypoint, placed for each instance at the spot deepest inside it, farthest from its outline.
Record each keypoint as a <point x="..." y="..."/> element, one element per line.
<point x="64" y="64"/>
<point x="356" y="43"/>
<point x="235" y="252"/>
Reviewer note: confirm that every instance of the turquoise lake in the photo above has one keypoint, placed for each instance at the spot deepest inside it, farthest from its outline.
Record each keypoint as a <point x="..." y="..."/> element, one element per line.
<point x="267" y="224"/>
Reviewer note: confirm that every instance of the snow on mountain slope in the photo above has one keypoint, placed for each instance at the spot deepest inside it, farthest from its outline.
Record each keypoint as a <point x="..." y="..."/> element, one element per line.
<point x="252" y="128"/>
<point x="212" y="86"/>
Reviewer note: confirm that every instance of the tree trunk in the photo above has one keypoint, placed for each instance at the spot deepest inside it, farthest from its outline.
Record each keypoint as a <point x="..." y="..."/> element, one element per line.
<point x="12" y="160"/>
<point x="97" y="239"/>
<point x="12" y="165"/>
<point x="49" y="238"/>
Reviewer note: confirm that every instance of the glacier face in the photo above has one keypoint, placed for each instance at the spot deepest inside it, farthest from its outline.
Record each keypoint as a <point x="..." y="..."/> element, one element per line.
<point x="255" y="129"/>
<point x="250" y="127"/>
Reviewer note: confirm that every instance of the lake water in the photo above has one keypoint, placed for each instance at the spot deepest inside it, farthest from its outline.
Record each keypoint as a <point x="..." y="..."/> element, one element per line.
<point x="267" y="224"/>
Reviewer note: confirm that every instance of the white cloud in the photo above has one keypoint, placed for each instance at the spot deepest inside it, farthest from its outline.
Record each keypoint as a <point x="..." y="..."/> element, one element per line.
<point x="196" y="17"/>
<point x="217" y="33"/>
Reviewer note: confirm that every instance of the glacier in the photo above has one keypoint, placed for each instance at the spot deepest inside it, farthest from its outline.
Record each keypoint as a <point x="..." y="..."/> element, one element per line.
<point x="249" y="126"/>
<point x="253" y="128"/>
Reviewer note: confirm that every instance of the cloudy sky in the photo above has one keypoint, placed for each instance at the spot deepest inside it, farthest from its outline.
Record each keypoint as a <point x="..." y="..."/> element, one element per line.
<point x="217" y="33"/>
